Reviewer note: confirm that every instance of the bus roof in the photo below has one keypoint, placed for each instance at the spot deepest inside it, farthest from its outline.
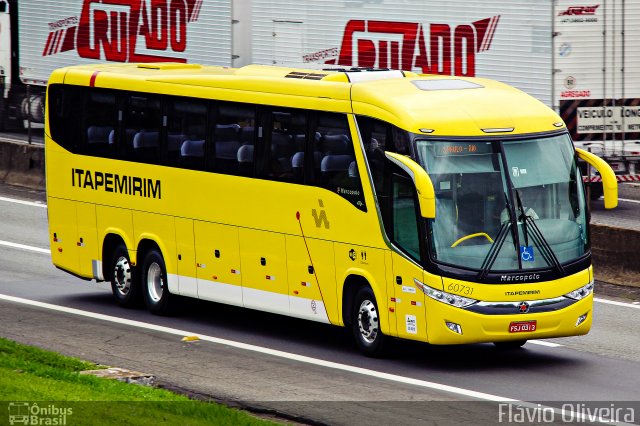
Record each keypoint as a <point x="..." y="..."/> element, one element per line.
<point x="428" y="104"/>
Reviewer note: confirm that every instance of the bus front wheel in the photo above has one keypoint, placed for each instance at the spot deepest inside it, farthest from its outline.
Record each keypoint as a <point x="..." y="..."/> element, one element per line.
<point x="124" y="285"/>
<point x="154" y="281"/>
<point x="365" y="323"/>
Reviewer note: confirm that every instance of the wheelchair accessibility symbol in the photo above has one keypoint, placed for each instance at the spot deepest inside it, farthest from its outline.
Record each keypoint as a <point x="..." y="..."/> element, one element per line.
<point x="526" y="253"/>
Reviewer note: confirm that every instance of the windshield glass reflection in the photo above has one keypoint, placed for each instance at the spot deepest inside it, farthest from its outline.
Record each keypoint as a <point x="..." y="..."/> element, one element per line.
<point x="505" y="205"/>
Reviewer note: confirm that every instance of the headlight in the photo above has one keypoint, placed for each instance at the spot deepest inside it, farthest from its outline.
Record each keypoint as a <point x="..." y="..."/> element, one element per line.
<point x="444" y="297"/>
<point x="581" y="292"/>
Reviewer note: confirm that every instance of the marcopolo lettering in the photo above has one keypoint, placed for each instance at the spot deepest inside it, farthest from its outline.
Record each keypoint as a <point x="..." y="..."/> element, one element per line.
<point x="113" y="182"/>
<point x="528" y="277"/>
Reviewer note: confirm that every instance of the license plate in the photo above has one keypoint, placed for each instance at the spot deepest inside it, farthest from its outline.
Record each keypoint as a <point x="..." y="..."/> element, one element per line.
<point x="522" y="326"/>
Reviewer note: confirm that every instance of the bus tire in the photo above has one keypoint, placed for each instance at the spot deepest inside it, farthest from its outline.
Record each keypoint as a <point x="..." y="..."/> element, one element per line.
<point x="511" y="344"/>
<point x="124" y="283"/>
<point x="154" y="283"/>
<point x="365" y="324"/>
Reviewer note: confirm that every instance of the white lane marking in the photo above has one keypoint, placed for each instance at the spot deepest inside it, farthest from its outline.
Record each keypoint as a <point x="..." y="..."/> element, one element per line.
<point x="24" y="247"/>
<point x="580" y="416"/>
<point x="629" y="201"/>
<point x="615" y="302"/>
<point x="27" y="203"/>
<point x="268" y="351"/>
<point x="544" y="343"/>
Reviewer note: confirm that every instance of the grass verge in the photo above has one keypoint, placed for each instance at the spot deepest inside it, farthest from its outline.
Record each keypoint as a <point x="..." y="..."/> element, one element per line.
<point x="47" y="388"/>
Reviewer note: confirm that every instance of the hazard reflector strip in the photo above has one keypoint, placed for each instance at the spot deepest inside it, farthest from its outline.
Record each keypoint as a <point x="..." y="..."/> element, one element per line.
<point x="619" y="178"/>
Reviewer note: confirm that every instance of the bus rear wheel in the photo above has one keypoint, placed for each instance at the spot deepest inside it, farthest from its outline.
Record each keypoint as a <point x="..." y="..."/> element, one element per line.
<point x="154" y="282"/>
<point x="365" y="324"/>
<point x="124" y="283"/>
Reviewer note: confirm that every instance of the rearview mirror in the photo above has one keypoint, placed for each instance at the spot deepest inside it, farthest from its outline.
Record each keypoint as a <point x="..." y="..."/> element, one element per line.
<point x="422" y="181"/>
<point x="609" y="181"/>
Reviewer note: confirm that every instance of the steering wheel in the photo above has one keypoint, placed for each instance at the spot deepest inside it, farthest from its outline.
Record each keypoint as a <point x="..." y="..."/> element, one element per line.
<point x="468" y="237"/>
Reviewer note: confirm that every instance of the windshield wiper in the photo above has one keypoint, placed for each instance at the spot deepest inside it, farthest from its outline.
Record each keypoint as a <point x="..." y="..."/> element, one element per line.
<point x="494" y="250"/>
<point x="523" y="218"/>
<point x="539" y="239"/>
<point x="491" y="257"/>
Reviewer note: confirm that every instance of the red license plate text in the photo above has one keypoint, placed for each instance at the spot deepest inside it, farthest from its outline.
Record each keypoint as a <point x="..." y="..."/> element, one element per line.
<point x="522" y="326"/>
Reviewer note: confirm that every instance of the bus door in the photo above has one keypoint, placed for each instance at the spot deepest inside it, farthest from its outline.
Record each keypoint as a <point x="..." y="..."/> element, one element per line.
<point x="264" y="271"/>
<point x="409" y="300"/>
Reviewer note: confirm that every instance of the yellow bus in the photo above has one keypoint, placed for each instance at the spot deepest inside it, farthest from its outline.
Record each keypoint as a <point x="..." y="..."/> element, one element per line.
<point x="440" y="209"/>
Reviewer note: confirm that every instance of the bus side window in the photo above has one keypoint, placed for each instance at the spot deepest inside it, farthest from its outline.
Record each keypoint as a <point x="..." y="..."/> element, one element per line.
<point x="375" y="138"/>
<point x="100" y="122"/>
<point x="405" y="219"/>
<point x="65" y="107"/>
<point x="286" y="140"/>
<point x="335" y="166"/>
<point x="186" y="133"/>
<point x="143" y="123"/>
<point x="234" y="136"/>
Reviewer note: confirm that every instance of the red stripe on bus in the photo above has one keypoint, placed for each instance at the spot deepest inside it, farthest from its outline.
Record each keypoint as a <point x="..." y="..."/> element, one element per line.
<point x="92" y="82"/>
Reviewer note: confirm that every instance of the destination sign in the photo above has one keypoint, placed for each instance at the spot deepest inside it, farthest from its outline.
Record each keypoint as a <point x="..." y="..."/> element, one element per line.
<point x="462" y="148"/>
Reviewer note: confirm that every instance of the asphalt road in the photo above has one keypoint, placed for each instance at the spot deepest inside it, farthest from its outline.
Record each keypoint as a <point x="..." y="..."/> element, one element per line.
<point x="309" y="372"/>
<point x="626" y="215"/>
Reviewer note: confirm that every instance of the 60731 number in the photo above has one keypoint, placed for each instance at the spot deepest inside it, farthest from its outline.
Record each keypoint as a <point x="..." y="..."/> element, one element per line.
<point x="460" y="289"/>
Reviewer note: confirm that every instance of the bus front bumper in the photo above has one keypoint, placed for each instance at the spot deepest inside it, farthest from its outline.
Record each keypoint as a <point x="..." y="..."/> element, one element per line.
<point x="447" y="325"/>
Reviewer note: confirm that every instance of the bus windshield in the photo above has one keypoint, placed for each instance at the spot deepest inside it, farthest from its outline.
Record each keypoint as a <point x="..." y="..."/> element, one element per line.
<point x="505" y="205"/>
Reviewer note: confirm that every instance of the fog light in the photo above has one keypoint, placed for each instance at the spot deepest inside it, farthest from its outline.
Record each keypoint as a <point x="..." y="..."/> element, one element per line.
<point x="581" y="318"/>
<point x="454" y="327"/>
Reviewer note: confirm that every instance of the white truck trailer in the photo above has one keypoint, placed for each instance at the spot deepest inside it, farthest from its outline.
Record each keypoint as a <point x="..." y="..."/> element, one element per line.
<point x="38" y="36"/>
<point x="580" y="58"/>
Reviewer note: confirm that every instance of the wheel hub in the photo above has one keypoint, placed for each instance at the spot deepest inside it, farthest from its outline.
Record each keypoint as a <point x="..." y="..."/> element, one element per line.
<point x="122" y="275"/>
<point x="368" y="321"/>
<point x="155" y="282"/>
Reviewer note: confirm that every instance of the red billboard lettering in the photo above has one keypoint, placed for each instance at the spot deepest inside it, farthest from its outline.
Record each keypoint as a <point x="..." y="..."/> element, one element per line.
<point x="422" y="58"/>
<point x="403" y="45"/>
<point x="440" y="49"/>
<point x="464" y="51"/>
<point x="346" y="51"/>
<point x="118" y="44"/>
<point x="579" y="10"/>
<point x="156" y="31"/>
<point x="366" y="53"/>
<point x="121" y="29"/>
<point x="178" y="29"/>
<point x="407" y="31"/>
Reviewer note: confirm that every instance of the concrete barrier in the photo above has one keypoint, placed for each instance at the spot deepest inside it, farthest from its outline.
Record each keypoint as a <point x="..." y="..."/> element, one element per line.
<point x="616" y="255"/>
<point x="22" y="164"/>
<point x="616" y="251"/>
